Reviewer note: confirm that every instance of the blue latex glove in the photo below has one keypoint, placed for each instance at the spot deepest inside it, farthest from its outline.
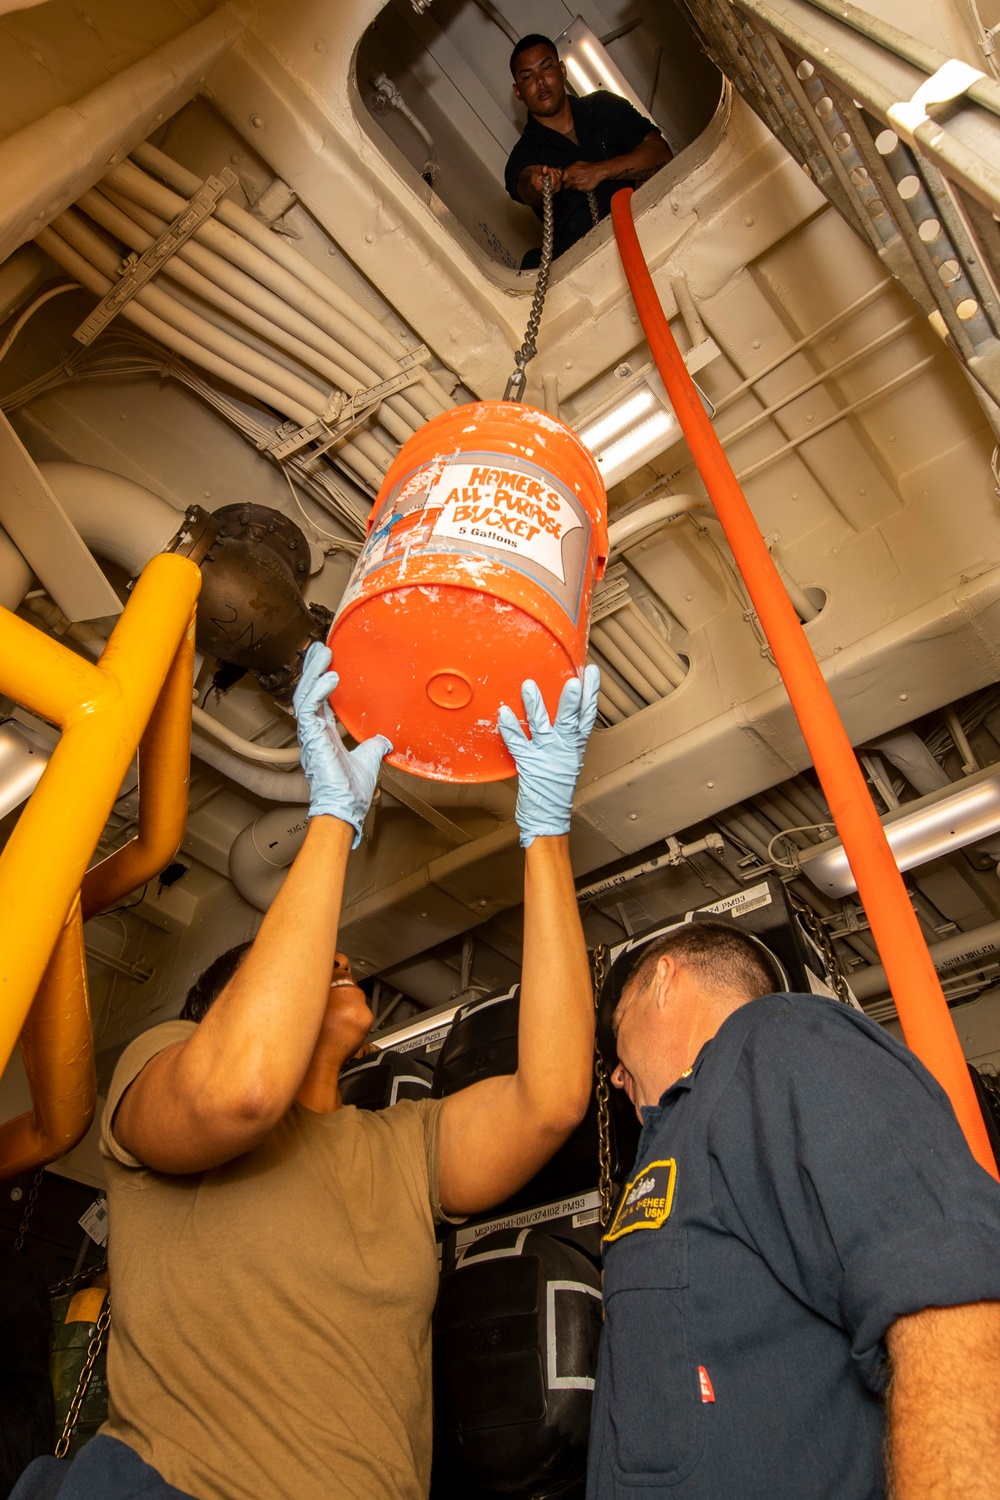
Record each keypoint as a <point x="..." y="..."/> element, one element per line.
<point x="341" y="783"/>
<point x="549" y="763"/>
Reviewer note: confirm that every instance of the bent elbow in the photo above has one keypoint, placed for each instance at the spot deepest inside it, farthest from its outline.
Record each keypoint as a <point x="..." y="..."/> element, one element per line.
<point x="250" y="1110"/>
<point x="567" y="1113"/>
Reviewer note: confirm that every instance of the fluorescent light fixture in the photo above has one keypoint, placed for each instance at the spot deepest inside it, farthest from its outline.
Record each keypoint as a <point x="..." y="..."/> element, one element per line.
<point x="918" y="831"/>
<point x="635" y="425"/>
<point x="589" y="65"/>
<point x="623" y="415"/>
<point x="22" y="761"/>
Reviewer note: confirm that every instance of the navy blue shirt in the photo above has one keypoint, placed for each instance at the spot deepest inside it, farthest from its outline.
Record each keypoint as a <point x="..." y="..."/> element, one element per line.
<point x="606" y="125"/>
<point x="804" y="1186"/>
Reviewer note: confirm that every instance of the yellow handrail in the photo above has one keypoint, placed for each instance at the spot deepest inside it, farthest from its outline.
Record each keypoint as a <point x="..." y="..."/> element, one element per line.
<point x="139" y="691"/>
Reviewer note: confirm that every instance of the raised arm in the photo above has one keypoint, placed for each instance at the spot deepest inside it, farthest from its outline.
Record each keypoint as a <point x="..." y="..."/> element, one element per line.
<point x="496" y="1134"/>
<point x="215" y="1096"/>
<point x="943" y="1407"/>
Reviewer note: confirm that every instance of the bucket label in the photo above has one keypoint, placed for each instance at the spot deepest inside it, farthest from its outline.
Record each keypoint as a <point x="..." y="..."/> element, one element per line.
<point x="477" y="505"/>
<point x="505" y="509"/>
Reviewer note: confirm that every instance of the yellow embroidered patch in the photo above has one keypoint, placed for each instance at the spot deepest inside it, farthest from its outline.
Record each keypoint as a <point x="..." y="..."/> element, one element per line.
<point x="646" y="1201"/>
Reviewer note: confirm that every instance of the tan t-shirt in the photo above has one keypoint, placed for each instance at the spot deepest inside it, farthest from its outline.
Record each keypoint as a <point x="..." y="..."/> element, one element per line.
<point x="271" y="1318"/>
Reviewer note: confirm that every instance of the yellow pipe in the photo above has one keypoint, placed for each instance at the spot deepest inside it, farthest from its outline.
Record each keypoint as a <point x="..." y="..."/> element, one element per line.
<point x="57" y="1045"/>
<point x="41" y="675"/>
<point x="43" y="865"/>
<point x="164" y="773"/>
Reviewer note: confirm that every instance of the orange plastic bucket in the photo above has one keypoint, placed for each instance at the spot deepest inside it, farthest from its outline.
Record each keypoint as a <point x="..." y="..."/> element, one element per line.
<point x="484" y="545"/>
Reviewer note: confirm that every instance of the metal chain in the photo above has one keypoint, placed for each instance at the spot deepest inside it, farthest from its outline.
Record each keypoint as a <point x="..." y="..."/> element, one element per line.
<point x="76" y="1405"/>
<point x="29" y="1208"/>
<point x="595" y="217"/>
<point x="606" y="1186"/>
<point x="527" y="351"/>
<point x="816" y="929"/>
<point x="70" y="1283"/>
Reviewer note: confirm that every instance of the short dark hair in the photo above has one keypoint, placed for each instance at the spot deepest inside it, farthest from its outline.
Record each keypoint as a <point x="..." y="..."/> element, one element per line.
<point x="209" y="986"/>
<point x="717" y="951"/>
<point x="534" y="39"/>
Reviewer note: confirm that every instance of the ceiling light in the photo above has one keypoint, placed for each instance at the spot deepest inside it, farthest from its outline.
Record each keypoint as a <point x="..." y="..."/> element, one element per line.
<point x="634" y="426"/>
<point x="917" y="832"/>
<point x="623" y="415"/>
<point x="589" y="65"/>
<point x="631" y="451"/>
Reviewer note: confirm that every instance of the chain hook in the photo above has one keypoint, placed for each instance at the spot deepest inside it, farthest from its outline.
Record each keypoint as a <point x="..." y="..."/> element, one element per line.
<point x="516" y="385"/>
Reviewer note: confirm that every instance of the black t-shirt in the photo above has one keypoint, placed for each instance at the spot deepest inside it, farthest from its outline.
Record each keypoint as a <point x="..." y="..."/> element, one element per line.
<point x="606" y="125"/>
<point x="804" y="1186"/>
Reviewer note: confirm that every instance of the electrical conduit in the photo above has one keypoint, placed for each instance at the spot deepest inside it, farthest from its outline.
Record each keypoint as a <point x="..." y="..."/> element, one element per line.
<point x="133" y="184"/>
<point x="195" y="339"/>
<point x="916" y="989"/>
<point x="428" y="395"/>
<point x="214" y="278"/>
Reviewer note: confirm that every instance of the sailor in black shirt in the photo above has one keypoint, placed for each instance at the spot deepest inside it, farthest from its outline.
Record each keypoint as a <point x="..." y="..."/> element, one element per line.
<point x="587" y="146"/>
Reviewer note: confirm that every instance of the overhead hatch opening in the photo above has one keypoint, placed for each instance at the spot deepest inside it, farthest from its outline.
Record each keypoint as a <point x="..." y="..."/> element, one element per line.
<point x="435" y="95"/>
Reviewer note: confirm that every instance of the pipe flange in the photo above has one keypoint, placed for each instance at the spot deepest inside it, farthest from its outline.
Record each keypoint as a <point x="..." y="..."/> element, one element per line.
<point x="266" y="527"/>
<point x="196" y="535"/>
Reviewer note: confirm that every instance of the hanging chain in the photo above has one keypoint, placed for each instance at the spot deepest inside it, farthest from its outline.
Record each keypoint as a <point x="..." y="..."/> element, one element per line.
<point x="603" y="1095"/>
<point x="29" y="1208"/>
<point x="70" y="1284"/>
<point x="595" y="217"/>
<point x="527" y="351"/>
<point x="817" y="930"/>
<point x="76" y="1405"/>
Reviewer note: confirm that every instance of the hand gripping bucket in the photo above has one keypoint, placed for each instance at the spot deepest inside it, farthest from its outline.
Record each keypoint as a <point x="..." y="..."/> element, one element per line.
<point x="484" y="545"/>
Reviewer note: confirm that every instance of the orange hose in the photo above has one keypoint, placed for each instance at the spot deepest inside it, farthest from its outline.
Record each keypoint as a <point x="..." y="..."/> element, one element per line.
<point x="916" y="989"/>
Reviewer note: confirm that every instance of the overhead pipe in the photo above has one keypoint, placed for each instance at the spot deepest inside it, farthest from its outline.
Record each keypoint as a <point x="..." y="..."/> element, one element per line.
<point x="264" y="781"/>
<point x="15" y="573"/>
<point x="164" y="778"/>
<point x="264" y="755"/>
<point x="916" y="989"/>
<point x="338" y="316"/>
<point x="639" y="523"/>
<point x="210" y="276"/>
<point x="46" y="164"/>
<point x="386" y="97"/>
<point x="57" y="1048"/>
<point x="79" y="266"/>
<point x="103" y="710"/>
<point x="125" y="523"/>
<point x="192" y="349"/>
<point x="950" y="953"/>
<point x="105" y="213"/>
<point x="120" y="521"/>
<point x="428" y="395"/>
<point x="193" y="336"/>
<point x="908" y="753"/>
<point x="76" y="232"/>
<point x="263" y="850"/>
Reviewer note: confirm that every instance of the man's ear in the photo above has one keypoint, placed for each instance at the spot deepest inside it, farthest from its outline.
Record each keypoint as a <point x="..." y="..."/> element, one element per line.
<point x="517" y="93"/>
<point x="664" y="981"/>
